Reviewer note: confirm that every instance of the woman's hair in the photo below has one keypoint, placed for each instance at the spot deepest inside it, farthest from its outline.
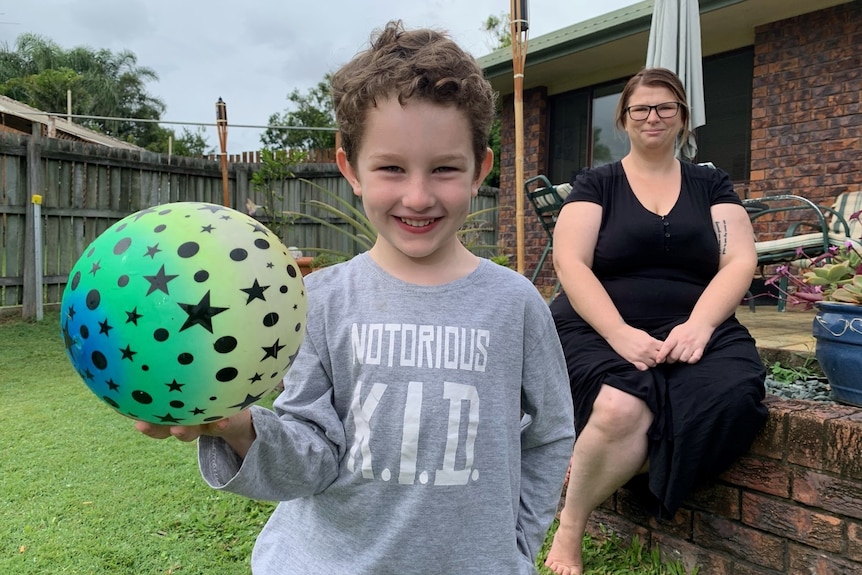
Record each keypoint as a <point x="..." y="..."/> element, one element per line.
<point x="654" y="77"/>
<point x="422" y="64"/>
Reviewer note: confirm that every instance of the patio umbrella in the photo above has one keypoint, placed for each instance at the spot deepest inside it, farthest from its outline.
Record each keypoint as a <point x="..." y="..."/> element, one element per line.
<point x="674" y="43"/>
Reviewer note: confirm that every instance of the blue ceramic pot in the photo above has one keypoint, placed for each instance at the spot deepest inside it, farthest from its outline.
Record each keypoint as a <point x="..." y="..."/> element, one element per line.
<point x="838" y="331"/>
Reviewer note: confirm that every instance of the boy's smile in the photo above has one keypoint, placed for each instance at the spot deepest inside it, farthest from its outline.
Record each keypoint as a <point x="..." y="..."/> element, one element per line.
<point x="415" y="171"/>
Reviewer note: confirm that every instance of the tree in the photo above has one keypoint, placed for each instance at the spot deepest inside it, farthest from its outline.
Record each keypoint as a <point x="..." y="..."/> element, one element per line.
<point x="498" y="27"/>
<point x="38" y="72"/>
<point x="312" y="109"/>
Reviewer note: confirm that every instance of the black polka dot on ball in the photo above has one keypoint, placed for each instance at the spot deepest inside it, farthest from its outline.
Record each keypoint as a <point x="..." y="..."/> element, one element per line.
<point x="210" y="419"/>
<point x="226" y="374"/>
<point x="110" y="402"/>
<point x="188" y="249"/>
<point x="177" y="404"/>
<point x="261" y="243"/>
<point x="76" y="279"/>
<point x="84" y="331"/>
<point x="238" y="254"/>
<point x="121" y="246"/>
<point x="160" y="334"/>
<point x="99" y="360"/>
<point x="185" y="358"/>
<point x="160" y="228"/>
<point x="202" y="276"/>
<point x="270" y="319"/>
<point x="225" y="344"/>
<point x="291" y="271"/>
<point x="142" y="397"/>
<point x="93" y="299"/>
<point x="123" y="280"/>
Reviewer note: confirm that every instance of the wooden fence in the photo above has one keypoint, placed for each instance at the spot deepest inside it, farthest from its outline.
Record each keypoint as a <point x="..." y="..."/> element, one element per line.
<point x="86" y="188"/>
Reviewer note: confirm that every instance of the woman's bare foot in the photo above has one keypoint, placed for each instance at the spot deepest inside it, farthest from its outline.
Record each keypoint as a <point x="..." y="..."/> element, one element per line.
<point x="564" y="557"/>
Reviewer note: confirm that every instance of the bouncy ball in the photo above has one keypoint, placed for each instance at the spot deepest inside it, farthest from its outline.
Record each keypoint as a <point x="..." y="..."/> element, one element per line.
<point x="183" y="313"/>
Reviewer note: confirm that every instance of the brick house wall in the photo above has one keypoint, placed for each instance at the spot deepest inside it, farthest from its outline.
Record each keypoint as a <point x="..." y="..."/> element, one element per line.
<point x="806" y="123"/>
<point x="792" y="505"/>
<point x="806" y="126"/>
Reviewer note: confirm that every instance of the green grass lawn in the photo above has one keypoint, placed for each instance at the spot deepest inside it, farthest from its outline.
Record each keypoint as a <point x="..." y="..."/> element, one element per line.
<point x="82" y="492"/>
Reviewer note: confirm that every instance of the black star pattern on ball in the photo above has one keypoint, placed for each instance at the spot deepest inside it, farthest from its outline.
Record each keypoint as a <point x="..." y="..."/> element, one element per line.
<point x="272" y="351"/>
<point x="212" y="208"/>
<point x="152" y="251"/>
<point x="71" y="312"/>
<point x="159" y="281"/>
<point x="87" y="374"/>
<point x="67" y="339"/>
<point x="168" y="418"/>
<point x="207" y="228"/>
<point x="255" y="377"/>
<point x="174" y="386"/>
<point x="255" y="292"/>
<point x="105" y="327"/>
<point x="96" y="267"/>
<point x="225" y="217"/>
<point x="142" y="213"/>
<point x="256" y="227"/>
<point x="128" y="353"/>
<point x="269" y="265"/>
<point x="133" y="316"/>
<point x="249" y="399"/>
<point x="112" y="385"/>
<point x="197" y="411"/>
<point x="201" y="313"/>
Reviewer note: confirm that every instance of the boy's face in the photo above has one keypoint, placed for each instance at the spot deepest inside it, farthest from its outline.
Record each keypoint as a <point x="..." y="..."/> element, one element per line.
<point x="415" y="171"/>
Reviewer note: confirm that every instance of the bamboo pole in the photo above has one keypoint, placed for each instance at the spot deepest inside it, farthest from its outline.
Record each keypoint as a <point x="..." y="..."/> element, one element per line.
<point x="221" y="125"/>
<point x="518" y="25"/>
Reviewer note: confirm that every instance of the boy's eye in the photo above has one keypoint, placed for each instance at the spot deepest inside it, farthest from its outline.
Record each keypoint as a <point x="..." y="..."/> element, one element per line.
<point x="445" y="169"/>
<point x="393" y="169"/>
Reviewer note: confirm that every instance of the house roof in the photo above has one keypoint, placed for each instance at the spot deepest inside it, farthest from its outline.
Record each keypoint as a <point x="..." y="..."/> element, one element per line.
<point x="614" y="45"/>
<point x="18" y="117"/>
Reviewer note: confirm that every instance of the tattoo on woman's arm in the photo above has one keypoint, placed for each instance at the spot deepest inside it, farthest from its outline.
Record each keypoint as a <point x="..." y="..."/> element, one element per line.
<point x="721" y="235"/>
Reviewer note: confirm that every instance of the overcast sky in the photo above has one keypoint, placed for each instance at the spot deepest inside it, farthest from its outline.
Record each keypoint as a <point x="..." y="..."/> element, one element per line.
<point x="253" y="53"/>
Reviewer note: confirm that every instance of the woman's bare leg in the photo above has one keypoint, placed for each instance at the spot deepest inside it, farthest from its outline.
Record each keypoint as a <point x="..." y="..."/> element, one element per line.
<point x="611" y="449"/>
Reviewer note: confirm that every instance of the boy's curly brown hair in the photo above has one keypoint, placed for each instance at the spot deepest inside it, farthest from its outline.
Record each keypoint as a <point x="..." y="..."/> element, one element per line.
<point x="423" y="64"/>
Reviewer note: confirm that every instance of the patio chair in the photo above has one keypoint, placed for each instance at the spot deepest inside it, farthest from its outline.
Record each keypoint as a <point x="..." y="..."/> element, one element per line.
<point x="829" y="224"/>
<point x="546" y="199"/>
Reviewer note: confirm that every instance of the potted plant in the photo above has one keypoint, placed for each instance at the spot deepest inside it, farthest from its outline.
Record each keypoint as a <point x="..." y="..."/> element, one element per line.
<point x="832" y="283"/>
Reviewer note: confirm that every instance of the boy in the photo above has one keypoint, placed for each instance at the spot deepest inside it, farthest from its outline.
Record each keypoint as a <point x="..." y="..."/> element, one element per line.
<point x="426" y="423"/>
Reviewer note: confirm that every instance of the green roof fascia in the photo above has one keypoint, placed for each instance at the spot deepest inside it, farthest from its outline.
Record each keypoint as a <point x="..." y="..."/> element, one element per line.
<point x="600" y="30"/>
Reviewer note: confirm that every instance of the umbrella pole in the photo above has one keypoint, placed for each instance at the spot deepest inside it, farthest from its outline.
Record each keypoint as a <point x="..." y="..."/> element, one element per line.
<point x="221" y="125"/>
<point x="518" y="23"/>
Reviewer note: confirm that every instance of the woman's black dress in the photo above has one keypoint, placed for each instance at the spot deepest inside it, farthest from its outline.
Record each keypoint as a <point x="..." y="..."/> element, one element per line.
<point x="654" y="268"/>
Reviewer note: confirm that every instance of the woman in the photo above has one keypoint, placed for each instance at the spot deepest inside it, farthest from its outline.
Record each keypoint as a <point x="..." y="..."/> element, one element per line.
<point x="654" y="256"/>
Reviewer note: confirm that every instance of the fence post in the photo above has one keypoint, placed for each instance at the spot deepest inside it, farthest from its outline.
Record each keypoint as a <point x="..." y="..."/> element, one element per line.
<point x="32" y="296"/>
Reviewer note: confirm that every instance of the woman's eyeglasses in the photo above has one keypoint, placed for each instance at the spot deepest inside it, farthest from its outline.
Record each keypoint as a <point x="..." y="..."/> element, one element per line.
<point x="664" y="111"/>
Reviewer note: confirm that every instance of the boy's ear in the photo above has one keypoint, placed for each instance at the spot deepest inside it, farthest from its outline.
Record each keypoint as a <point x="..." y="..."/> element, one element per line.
<point x="347" y="171"/>
<point x="484" y="169"/>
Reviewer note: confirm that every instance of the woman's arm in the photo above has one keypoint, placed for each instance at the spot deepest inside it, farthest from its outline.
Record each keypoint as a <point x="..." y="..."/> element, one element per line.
<point x="736" y="265"/>
<point x="575" y="236"/>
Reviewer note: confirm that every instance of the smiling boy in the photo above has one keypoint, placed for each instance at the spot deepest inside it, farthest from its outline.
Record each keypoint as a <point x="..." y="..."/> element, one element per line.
<point x="426" y="424"/>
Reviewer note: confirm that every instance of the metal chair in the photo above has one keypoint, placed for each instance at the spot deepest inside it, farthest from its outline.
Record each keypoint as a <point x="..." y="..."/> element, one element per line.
<point x="546" y="200"/>
<point x="834" y="231"/>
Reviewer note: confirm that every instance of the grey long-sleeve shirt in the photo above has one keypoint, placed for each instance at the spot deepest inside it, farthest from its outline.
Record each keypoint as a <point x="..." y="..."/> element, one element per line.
<point x="398" y="445"/>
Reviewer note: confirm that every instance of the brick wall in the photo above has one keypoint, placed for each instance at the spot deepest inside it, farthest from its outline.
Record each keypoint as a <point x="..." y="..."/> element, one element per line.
<point x="535" y="163"/>
<point x="792" y="505"/>
<point x="806" y="122"/>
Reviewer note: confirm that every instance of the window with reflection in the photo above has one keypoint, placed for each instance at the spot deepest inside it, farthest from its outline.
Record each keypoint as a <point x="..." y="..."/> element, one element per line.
<point x="582" y="131"/>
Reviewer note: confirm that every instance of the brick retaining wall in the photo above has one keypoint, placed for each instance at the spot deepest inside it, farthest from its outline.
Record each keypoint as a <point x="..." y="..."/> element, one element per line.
<point x="792" y="505"/>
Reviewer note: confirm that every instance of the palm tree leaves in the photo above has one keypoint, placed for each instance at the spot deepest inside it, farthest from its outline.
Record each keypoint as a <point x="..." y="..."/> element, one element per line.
<point x="38" y="72"/>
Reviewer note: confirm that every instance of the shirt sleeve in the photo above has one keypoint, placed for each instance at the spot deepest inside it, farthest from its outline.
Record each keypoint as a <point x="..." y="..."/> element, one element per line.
<point x="547" y="433"/>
